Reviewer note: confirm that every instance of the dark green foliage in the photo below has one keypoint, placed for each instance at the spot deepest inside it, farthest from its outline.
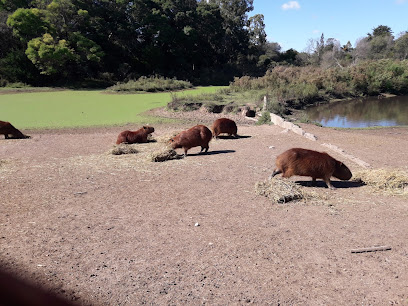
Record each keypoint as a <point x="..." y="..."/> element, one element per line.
<point x="205" y="42"/>
<point x="264" y="119"/>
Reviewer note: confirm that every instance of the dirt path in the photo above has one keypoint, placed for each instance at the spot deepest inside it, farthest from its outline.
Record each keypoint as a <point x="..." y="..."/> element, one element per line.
<point x="120" y="230"/>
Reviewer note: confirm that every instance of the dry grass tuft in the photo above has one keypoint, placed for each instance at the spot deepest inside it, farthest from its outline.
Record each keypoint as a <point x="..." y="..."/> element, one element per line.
<point x="283" y="191"/>
<point x="163" y="155"/>
<point x="279" y="191"/>
<point x="123" y="149"/>
<point x="165" y="138"/>
<point x="389" y="181"/>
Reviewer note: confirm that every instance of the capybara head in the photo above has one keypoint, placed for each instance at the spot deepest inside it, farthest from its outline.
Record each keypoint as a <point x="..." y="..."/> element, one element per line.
<point x="342" y="172"/>
<point x="148" y="129"/>
<point x="174" y="142"/>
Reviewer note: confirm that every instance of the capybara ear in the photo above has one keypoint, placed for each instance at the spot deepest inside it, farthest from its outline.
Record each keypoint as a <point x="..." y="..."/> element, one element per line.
<point x="145" y="127"/>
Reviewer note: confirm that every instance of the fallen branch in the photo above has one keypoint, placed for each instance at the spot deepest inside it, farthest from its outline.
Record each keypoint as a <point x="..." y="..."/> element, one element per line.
<point x="371" y="249"/>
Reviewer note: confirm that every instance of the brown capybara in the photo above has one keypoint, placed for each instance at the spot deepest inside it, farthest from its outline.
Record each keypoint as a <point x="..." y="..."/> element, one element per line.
<point x="7" y="129"/>
<point x="305" y="162"/>
<point x="198" y="135"/>
<point x="224" y="125"/>
<point x="139" y="136"/>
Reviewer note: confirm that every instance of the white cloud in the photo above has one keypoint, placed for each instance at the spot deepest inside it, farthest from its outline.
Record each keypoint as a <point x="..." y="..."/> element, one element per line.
<point x="401" y="1"/>
<point x="294" y="5"/>
<point x="316" y="31"/>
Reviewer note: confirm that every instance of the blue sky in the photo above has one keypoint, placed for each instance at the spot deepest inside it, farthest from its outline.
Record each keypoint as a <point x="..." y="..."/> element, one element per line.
<point x="293" y="23"/>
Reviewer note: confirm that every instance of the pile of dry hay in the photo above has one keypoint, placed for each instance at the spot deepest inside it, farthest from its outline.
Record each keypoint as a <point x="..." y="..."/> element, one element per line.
<point x="164" y="154"/>
<point x="123" y="148"/>
<point x="279" y="191"/>
<point x="387" y="180"/>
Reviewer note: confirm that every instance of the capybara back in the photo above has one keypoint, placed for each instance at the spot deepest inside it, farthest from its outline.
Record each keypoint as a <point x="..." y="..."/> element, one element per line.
<point x="139" y="136"/>
<point x="304" y="162"/>
<point x="196" y="136"/>
<point x="224" y="125"/>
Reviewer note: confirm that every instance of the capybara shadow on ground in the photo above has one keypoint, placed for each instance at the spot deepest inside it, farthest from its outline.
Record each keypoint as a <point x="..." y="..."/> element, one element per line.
<point x="139" y="136"/>
<point x="311" y="163"/>
<point x="224" y="125"/>
<point x="7" y="129"/>
<point x="336" y="184"/>
<point x="197" y="136"/>
<point x="215" y="152"/>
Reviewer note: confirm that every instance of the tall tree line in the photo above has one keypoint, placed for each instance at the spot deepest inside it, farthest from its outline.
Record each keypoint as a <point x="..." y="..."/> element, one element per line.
<point x="45" y="42"/>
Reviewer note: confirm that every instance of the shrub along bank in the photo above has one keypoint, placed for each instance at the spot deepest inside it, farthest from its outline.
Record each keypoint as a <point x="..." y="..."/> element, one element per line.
<point x="295" y="87"/>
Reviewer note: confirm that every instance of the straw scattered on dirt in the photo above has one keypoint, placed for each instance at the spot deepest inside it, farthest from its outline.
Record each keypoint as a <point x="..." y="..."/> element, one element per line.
<point x="390" y="181"/>
<point x="279" y="191"/>
<point x="123" y="149"/>
<point x="166" y="137"/>
<point x="163" y="155"/>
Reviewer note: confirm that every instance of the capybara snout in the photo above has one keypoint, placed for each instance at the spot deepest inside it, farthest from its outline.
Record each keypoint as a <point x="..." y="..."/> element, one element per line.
<point x="198" y="135"/>
<point x="311" y="163"/>
<point x="224" y="125"/>
<point x="139" y="136"/>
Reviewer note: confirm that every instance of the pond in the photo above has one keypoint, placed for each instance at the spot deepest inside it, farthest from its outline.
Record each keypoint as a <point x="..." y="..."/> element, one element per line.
<point x="359" y="113"/>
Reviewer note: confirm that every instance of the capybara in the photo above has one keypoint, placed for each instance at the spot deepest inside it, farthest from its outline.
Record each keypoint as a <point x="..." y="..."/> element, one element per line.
<point x="139" y="136"/>
<point x="198" y="135"/>
<point x="305" y="162"/>
<point x="7" y="129"/>
<point x="224" y="125"/>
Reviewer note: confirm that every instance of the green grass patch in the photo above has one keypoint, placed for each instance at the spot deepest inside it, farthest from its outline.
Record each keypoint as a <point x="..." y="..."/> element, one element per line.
<point x="69" y="108"/>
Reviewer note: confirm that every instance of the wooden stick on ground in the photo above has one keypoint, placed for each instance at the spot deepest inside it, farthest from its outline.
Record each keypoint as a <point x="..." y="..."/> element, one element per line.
<point x="371" y="249"/>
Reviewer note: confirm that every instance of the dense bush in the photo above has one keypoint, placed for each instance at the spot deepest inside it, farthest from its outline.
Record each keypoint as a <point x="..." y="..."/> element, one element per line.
<point x="298" y="86"/>
<point x="295" y="87"/>
<point x="151" y="84"/>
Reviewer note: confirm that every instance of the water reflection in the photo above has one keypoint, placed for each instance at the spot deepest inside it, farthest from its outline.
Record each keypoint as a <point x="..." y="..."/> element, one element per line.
<point x="363" y="112"/>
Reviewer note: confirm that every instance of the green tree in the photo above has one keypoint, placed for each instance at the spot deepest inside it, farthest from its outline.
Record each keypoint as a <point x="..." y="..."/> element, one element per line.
<point x="401" y="47"/>
<point x="49" y="55"/>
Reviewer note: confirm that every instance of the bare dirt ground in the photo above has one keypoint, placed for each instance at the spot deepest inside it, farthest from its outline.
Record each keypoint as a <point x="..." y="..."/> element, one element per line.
<point x="100" y="229"/>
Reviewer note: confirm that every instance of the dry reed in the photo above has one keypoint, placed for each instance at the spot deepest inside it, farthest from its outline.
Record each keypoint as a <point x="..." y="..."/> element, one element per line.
<point x="164" y="154"/>
<point x="123" y="148"/>
<point x="279" y="191"/>
<point x="391" y="181"/>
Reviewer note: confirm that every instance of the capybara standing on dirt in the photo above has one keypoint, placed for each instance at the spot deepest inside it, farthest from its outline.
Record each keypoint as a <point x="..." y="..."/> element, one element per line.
<point x="7" y="129"/>
<point x="198" y="135"/>
<point x="139" y="136"/>
<point x="224" y="125"/>
<point x="305" y="162"/>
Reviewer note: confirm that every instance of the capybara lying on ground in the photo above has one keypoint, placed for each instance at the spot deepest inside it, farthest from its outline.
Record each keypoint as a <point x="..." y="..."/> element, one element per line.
<point x="224" y="125"/>
<point x="7" y="129"/>
<point x="139" y="136"/>
<point x="198" y="135"/>
<point x="305" y="162"/>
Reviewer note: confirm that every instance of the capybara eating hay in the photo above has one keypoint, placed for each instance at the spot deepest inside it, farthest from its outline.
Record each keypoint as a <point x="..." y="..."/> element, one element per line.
<point x="305" y="162"/>
<point x="198" y="135"/>
<point x="7" y="129"/>
<point x="139" y="136"/>
<point x="224" y="125"/>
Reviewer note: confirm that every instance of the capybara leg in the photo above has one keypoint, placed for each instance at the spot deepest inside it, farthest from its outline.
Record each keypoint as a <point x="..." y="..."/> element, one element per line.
<point x="313" y="181"/>
<point x="6" y="136"/>
<point x="275" y="172"/>
<point x="329" y="185"/>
